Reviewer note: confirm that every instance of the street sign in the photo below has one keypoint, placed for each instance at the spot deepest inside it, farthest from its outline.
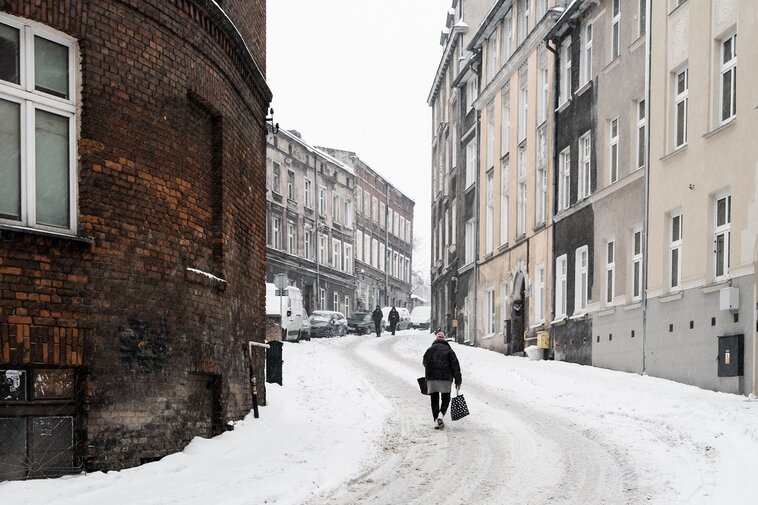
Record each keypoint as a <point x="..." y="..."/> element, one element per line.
<point x="281" y="281"/>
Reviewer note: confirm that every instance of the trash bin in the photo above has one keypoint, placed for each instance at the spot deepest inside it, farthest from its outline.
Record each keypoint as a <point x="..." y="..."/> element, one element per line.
<point x="274" y="362"/>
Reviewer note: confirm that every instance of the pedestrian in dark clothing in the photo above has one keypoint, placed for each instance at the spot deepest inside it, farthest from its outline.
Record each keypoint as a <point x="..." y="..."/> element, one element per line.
<point x="377" y="317"/>
<point x="441" y="368"/>
<point x="393" y="318"/>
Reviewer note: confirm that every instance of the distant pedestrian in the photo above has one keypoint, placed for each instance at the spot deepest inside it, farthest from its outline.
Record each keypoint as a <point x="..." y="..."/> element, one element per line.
<point x="441" y="368"/>
<point x="394" y="318"/>
<point x="377" y="317"/>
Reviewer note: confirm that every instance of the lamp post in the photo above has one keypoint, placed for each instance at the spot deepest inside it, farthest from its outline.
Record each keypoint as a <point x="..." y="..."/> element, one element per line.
<point x="319" y="228"/>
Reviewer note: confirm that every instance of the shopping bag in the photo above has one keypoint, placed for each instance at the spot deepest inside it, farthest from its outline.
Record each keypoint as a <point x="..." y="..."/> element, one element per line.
<point x="422" y="385"/>
<point x="458" y="407"/>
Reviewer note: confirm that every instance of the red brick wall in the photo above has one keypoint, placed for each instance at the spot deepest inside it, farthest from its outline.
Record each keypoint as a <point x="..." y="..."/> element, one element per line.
<point x="156" y="77"/>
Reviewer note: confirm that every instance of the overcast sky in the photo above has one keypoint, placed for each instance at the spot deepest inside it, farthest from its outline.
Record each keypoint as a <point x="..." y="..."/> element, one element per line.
<point x="355" y="75"/>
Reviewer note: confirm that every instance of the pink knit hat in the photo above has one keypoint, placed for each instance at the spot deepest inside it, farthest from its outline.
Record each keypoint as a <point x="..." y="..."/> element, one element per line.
<point x="440" y="335"/>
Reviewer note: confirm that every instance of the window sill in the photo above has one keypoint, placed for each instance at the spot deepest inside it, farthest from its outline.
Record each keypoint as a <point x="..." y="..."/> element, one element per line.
<point x="607" y="311"/>
<point x="636" y="304"/>
<point x="580" y="316"/>
<point x="676" y="151"/>
<point x="717" y="285"/>
<point x="720" y="129"/>
<point x="563" y="106"/>
<point x="488" y="337"/>
<point x="672" y="297"/>
<point x="559" y="322"/>
<point x="613" y="63"/>
<point x="47" y="233"/>
<point x="638" y="42"/>
<point x="587" y="85"/>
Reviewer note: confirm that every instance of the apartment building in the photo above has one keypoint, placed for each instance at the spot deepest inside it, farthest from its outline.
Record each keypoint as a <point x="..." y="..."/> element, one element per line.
<point x="310" y="222"/>
<point x="454" y="142"/>
<point x="702" y="249"/>
<point x="383" y="236"/>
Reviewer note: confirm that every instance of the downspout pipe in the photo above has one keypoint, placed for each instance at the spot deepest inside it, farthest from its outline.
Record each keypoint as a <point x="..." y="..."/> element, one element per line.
<point x="646" y="209"/>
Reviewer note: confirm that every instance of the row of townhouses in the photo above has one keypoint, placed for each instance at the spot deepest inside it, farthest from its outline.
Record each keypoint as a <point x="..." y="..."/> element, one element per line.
<point x="339" y="230"/>
<point x="593" y="182"/>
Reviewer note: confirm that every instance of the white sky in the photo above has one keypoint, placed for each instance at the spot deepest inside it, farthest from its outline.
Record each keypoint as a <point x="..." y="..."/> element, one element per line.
<point x="355" y="75"/>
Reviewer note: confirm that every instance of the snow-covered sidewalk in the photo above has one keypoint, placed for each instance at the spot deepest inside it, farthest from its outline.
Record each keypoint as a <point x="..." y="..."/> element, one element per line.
<point x="325" y="426"/>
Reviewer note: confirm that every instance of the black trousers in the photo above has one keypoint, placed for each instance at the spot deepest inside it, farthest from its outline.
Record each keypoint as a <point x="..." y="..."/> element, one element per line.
<point x="392" y="327"/>
<point x="378" y="328"/>
<point x="436" y="408"/>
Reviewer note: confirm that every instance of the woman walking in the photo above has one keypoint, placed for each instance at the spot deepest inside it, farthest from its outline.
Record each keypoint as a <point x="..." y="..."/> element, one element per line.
<point x="441" y="368"/>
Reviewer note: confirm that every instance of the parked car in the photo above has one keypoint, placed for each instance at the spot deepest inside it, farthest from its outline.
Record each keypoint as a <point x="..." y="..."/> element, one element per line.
<point x="361" y="323"/>
<point x="327" y="323"/>
<point x="288" y="304"/>
<point x="405" y="318"/>
<point x="421" y="317"/>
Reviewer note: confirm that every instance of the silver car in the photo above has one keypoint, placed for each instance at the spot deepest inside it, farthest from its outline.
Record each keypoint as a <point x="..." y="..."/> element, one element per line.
<point x="328" y="323"/>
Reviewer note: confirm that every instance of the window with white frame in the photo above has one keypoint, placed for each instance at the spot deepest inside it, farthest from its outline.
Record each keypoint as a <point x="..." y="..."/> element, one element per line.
<point x="276" y="232"/>
<point x="539" y="294"/>
<point x="681" y="91"/>
<point x="586" y="59"/>
<point x="408" y="233"/>
<point x="561" y="286"/>
<point x="541" y="9"/>
<point x="637" y="265"/>
<point x="454" y="214"/>
<point x="505" y="121"/>
<point x="336" y="302"/>
<point x="542" y="84"/>
<point x="613" y="137"/>
<point x="348" y="217"/>
<point x="641" y="134"/>
<point x="470" y="238"/>
<point x="366" y="204"/>
<point x="472" y="92"/>
<point x="675" y="252"/>
<point x="397" y="265"/>
<point x="436" y="245"/>
<point x="291" y="238"/>
<point x="323" y="257"/>
<point x="610" y="271"/>
<point x="347" y="306"/>
<point x="615" y="28"/>
<point x="470" y="163"/>
<point x="374" y="253"/>
<point x="581" y="279"/>
<point x="641" y="17"/>
<point x="307" y="189"/>
<point x="722" y="235"/>
<point x="290" y="185"/>
<point x="489" y="218"/>
<point x="728" y="79"/>
<point x="564" y="179"/>
<point x="322" y="201"/>
<point x="321" y="298"/>
<point x="390" y="220"/>
<point x="521" y="196"/>
<point x="348" y="259"/>
<point x="382" y="257"/>
<point x="336" y="208"/>
<point x="490" y="317"/>
<point x="308" y="243"/>
<point x="396" y="224"/>
<point x="506" y="40"/>
<point x="540" y="209"/>
<point x="446" y="227"/>
<point x="358" y="199"/>
<point x="523" y="109"/>
<point x="585" y="165"/>
<point x="336" y="254"/>
<point x="382" y="210"/>
<point x="503" y="306"/>
<point x="523" y="25"/>
<point x="564" y="92"/>
<point x="402" y="227"/>
<point x="366" y="254"/>
<point x="276" y="178"/>
<point x="504" y="201"/>
<point x="491" y="56"/>
<point x="490" y="161"/>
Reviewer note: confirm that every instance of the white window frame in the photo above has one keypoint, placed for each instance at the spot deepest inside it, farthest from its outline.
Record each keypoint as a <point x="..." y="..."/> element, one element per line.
<point x="521" y="196"/>
<point x="308" y="243"/>
<point x="539" y="294"/>
<point x="728" y="68"/>
<point x="586" y="59"/>
<point x="492" y="48"/>
<point x="470" y="255"/>
<point x="615" y="29"/>
<point x="490" y="316"/>
<point x="641" y="133"/>
<point x="489" y="219"/>
<point x="641" y="17"/>
<point x="564" y="179"/>
<point x="490" y="153"/>
<point x="676" y="232"/>
<point x="291" y="238"/>
<point x="322" y="298"/>
<point x="506" y="40"/>
<point x="505" y="121"/>
<point x="336" y="301"/>
<point x="470" y="163"/>
<point x="374" y="209"/>
<point x="637" y="264"/>
<point x="681" y="106"/>
<point x="382" y="256"/>
<point x="523" y="25"/>
<point x="565" y="69"/>
<point x="723" y="231"/>
<point x="308" y="198"/>
<point x="453" y="229"/>
<point x="336" y="254"/>
<point x="613" y="150"/>
<point x="348" y="217"/>
<point x="523" y="104"/>
<point x="382" y="215"/>
<point x="336" y="208"/>
<point x="322" y="201"/>
<point x="472" y="92"/>
<point x="542" y="84"/>
<point x="581" y="279"/>
<point x="347" y="306"/>
<point x="540" y="208"/>
<point x="290" y="184"/>
<point x="323" y="242"/>
<point x="276" y="178"/>
<point x="561" y="286"/>
<point x="276" y="232"/>
<point x="585" y="165"/>
<point x="348" y="258"/>
<point x="610" y="271"/>
<point x="366" y="204"/>
<point x="504" y="200"/>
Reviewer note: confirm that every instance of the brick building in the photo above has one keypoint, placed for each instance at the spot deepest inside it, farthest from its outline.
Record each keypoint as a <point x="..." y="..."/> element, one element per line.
<point x="132" y="227"/>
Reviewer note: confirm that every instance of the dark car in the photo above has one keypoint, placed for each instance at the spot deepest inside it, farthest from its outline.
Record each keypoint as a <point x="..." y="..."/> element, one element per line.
<point x="327" y="323"/>
<point x="361" y="323"/>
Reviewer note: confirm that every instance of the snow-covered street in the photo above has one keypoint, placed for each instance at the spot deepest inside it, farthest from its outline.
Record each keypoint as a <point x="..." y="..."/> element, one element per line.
<point x="350" y="426"/>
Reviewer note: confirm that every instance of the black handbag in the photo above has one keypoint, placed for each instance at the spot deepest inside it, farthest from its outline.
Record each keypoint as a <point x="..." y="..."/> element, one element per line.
<point x="458" y="407"/>
<point x="422" y="385"/>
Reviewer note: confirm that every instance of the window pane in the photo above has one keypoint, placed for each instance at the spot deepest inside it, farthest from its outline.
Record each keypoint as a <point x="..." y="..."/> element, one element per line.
<point x="674" y="268"/>
<point x="49" y="384"/>
<point x="680" y="125"/>
<point x="9" y="54"/>
<point x="12" y="386"/>
<point x="726" y="96"/>
<point x="10" y="160"/>
<point x="50" y="67"/>
<point x="719" y="255"/>
<point x="721" y="212"/>
<point x="52" y="169"/>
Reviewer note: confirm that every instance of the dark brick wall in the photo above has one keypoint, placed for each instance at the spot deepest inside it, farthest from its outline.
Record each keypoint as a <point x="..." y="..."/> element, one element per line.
<point x="171" y="176"/>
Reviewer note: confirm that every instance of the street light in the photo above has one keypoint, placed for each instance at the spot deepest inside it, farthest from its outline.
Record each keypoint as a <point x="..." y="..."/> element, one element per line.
<point x="319" y="228"/>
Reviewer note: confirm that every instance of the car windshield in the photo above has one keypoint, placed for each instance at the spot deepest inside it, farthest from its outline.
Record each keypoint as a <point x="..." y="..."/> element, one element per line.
<point x="321" y="316"/>
<point x="360" y="316"/>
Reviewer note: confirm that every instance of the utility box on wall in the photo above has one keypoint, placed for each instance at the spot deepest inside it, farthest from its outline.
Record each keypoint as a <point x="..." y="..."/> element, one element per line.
<point x="729" y="299"/>
<point x="731" y="356"/>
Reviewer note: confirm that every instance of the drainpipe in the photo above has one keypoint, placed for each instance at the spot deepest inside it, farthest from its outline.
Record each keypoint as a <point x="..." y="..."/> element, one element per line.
<point x="646" y="210"/>
<point x="318" y="234"/>
<point x="476" y="223"/>
<point x="387" y="242"/>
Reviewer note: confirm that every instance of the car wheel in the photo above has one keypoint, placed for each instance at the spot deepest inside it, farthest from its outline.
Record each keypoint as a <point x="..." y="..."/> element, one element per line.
<point x="343" y="332"/>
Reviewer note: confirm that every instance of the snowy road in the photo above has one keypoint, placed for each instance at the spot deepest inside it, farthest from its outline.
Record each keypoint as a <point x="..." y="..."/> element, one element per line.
<point x="349" y="426"/>
<point x="507" y="452"/>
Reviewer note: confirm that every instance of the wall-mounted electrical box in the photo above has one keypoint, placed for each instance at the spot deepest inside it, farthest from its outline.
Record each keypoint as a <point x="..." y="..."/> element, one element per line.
<point x="729" y="299"/>
<point x="731" y="356"/>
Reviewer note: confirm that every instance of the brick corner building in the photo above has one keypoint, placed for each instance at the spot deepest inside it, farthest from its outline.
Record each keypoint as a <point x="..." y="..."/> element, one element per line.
<point x="132" y="227"/>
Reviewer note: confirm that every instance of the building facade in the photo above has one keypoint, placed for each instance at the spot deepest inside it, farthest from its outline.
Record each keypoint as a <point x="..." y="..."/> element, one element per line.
<point x="310" y="222"/>
<point x="383" y="237"/>
<point x="131" y="221"/>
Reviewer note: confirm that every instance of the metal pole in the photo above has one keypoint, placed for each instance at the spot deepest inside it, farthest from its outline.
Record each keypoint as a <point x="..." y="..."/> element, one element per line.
<point x="646" y="213"/>
<point x="386" y="242"/>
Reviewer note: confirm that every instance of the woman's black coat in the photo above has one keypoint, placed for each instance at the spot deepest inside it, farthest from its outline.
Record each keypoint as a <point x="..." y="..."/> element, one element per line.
<point x="441" y="363"/>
